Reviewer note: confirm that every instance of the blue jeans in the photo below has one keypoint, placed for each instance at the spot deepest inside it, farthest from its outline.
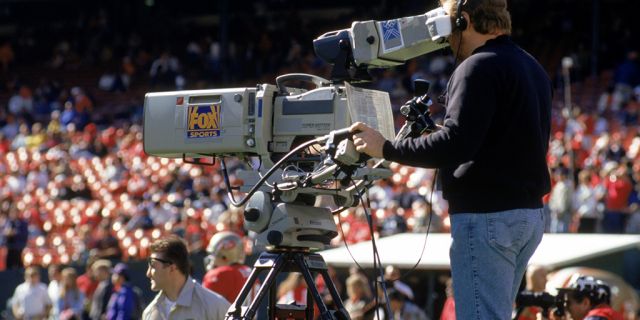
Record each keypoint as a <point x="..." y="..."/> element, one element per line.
<point x="489" y="255"/>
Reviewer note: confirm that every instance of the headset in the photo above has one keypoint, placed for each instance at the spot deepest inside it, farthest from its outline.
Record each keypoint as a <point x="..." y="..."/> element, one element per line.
<point x="461" y="22"/>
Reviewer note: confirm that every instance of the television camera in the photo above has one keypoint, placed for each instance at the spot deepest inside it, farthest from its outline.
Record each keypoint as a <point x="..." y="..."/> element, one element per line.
<point x="543" y="300"/>
<point x="301" y="140"/>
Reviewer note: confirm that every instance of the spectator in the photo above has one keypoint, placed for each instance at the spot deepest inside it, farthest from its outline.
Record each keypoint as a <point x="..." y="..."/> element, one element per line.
<point x="560" y="201"/>
<point x="392" y="276"/>
<point x="165" y="71"/>
<point x="627" y="75"/>
<point x="70" y="303"/>
<point x="393" y="222"/>
<point x="449" y="308"/>
<point x="87" y="282"/>
<point x="55" y="278"/>
<point x="16" y="234"/>
<point x="293" y="289"/>
<point x="5" y="144"/>
<point x="402" y="308"/>
<point x="7" y="56"/>
<point x="586" y="201"/>
<point x="226" y="273"/>
<point x="619" y="187"/>
<point x="104" y="244"/>
<point x="359" y="297"/>
<point x="179" y="297"/>
<point x="536" y="281"/>
<point x="21" y="103"/>
<point x="20" y="140"/>
<point x="124" y="303"/>
<point x="30" y="299"/>
<point x="102" y="273"/>
<point x="140" y="220"/>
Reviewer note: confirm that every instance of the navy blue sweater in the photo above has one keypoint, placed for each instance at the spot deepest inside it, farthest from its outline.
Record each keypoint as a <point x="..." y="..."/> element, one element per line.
<point x="493" y="144"/>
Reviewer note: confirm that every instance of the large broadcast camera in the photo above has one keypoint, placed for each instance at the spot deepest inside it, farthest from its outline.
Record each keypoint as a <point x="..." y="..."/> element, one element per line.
<point x="307" y="166"/>
<point x="295" y="132"/>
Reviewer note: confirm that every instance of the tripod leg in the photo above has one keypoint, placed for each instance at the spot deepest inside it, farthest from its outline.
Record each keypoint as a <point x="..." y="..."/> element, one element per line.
<point x="236" y="307"/>
<point x="310" y="304"/>
<point x="325" y="314"/>
<point x="235" y="311"/>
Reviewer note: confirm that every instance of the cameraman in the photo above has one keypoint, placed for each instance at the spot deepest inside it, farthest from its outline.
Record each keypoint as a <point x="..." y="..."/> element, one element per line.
<point x="589" y="299"/>
<point x="491" y="151"/>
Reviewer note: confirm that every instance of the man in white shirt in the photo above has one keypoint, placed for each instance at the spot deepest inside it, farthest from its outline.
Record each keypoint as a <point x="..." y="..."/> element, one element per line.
<point x="55" y="274"/>
<point x="31" y="300"/>
<point x="179" y="297"/>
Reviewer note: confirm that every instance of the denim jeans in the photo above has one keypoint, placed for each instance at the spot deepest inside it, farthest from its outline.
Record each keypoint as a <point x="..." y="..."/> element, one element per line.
<point x="489" y="255"/>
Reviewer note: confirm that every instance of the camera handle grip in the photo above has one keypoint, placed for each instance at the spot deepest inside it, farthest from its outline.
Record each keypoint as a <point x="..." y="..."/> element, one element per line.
<point x="318" y="81"/>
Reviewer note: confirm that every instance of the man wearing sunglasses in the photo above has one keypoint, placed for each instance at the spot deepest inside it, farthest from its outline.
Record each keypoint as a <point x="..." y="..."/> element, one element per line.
<point x="179" y="296"/>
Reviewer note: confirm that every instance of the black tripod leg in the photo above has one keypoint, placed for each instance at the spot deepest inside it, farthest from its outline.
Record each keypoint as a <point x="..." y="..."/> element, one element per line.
<point x="268" y="285"/>
<point x="310" y="304"/>
<point x="235" y="311"/>
<point x="311" y="286"/>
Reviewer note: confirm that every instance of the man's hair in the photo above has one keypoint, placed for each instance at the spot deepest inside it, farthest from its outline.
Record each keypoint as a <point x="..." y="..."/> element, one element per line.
<point x="175" y="250"/>
<point x="486" y="15"/>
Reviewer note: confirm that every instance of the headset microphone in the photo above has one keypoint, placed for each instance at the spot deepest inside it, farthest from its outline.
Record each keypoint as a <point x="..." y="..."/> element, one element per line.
<point x="460" y="21"/>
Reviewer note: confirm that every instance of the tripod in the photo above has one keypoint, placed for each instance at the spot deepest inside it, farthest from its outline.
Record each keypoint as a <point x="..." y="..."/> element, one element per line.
<point x="287" y="260"/>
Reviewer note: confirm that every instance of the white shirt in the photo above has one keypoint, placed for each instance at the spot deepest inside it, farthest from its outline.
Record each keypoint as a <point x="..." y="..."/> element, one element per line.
<point x="54" y="289"/>
<point x="194" y="302"/>
<point x="166" y="306"/>
<point x="31" y="299"/>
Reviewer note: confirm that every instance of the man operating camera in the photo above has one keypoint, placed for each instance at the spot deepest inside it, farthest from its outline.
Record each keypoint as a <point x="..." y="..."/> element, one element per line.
<point x="588" y="298"/>
<point x="491" y="152"/>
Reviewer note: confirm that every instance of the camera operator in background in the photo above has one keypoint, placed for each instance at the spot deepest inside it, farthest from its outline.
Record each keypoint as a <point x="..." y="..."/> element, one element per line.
<point x="588" y="298"/>
<point x="226" y="274"/>
<point x="491" y="151"/>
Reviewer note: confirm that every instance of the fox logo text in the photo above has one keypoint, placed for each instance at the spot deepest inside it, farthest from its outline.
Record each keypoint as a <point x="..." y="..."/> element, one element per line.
<point x="203" y="121"/>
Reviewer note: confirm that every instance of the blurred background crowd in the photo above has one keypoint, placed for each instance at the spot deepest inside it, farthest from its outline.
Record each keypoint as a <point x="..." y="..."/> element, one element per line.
<point x="76" y="186"/>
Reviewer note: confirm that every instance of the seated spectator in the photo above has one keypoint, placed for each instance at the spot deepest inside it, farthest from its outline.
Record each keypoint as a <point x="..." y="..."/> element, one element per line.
<point x="6" y="56"/>
<point x="140" y="220"/>
<point x="393" y="222"/>
<point x="21" y="103"/>
<point x="165" y="71"/>
<point x="104" y="244"/>
<point x="113" y="81"/>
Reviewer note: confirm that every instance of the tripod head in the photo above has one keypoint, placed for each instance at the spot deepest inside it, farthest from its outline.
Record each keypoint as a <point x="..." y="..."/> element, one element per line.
<point x="295" y="211"/>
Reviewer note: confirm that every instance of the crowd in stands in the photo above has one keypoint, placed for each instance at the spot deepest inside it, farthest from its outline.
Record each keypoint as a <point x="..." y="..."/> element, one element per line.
<point x="76" y="185"/>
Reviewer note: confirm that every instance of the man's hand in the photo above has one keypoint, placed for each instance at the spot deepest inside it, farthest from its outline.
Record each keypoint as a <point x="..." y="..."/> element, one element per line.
<point x="367" y="140"/>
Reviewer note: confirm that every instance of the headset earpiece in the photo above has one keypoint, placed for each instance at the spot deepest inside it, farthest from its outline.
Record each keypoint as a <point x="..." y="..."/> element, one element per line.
<point x="461" y="22"/>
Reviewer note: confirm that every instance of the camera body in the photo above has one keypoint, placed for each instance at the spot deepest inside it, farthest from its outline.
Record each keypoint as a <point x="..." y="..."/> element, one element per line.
<point x="543" y="300"/>
<point x="239" y="121"/>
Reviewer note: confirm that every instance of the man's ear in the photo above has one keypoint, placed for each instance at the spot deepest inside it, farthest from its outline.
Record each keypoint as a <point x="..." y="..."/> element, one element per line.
<point x="468" y="19"/>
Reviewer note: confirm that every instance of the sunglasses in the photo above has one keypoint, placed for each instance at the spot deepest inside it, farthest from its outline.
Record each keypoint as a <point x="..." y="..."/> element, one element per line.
<point x="150" y="260"/>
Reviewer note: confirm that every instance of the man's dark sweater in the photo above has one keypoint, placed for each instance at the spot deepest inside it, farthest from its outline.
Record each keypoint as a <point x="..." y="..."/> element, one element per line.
<point x="493" y="144"/>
